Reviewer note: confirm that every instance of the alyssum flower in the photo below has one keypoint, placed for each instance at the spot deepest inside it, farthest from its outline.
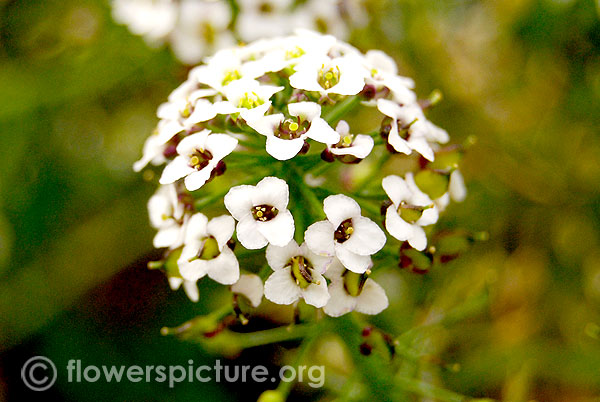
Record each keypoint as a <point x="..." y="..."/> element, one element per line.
<point x="206" y="252"/>
<point x="261" y="212"/>
<point x="410" y="210"/>
<point x="167" y="215"/>
<point x="298" y="274"/>
<point x="346" y="234"/>
<point x="350" y="291"/>
<point x="199" y="159"/>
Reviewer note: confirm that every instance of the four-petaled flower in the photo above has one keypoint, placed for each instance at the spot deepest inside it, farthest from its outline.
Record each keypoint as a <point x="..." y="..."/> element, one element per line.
<point x="261" y="212"/>
<point x="352" y="148"/>
<point x="347" y="234"/>
<point x="167" y="215"/>
<point x="410" y="210"/>
<point x="350" y="291"/>
<point x="298" y="274"/>
<point x="199" y="159"/>
<point x="206" y="252"/>
<point x="286" y="136"/>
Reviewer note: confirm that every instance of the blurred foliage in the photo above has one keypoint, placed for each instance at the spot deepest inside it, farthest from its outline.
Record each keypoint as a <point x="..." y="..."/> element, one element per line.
<point x="517" y="318"/>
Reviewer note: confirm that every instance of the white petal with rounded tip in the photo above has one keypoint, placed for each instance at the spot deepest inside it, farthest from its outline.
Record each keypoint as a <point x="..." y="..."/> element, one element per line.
<point x="335" y="270"/>
<point x="429" y="217"/>
<point x="340" y="302"/>
<point x="175" y="170"/>
<point x="361" y="147"/>
<point x="397" y="142"/>
<point x="175" y="282"/>
<point x="381" y="61"/>
<point x="271" y="191"/>
<point x="319" y="238"/>
<point x="388" y="108"/>
<point x="396" y="188"/>
<point x="198" y="178"/>
<point x="352" y="77"/>
<point x="457" y="188"/>
<point x="367" y="238"/>
<point x="320" y="263"/>
<point x="306" y="110"/>
<point x="352" y="261"/>
<point x="266" y="125"/>
<point x="306" y="79"/>
<point x="203" y="111"/>
<point x="192" y="270"/>
<point x="238" y="201"/>
<point x="322" y="132"/>
<point x="220" y="145"/>
<point x="196" y="228"/>
<point x="167" y="237"/>
<point x="280" y="287"/>
<point x="251" y="287"/>
<point x="248" y="235"/>
<point x="280" y="256"/>
<point x="417" y="196"/>
<point x="418" y="239"/>
<point x="372" y="300"/>
<point x="221" y="228"/>
<point x="283" y="150"/>
<point x="191" y="290"/>
<point x="421" y="146"/>
<point x="340" y="207"/>
<point x="396" y="226"/>
<point x="193" y="142"/>
<point x="316" y="295"/>
<point x="279" y="230"/>
<point x="225" y="268"/>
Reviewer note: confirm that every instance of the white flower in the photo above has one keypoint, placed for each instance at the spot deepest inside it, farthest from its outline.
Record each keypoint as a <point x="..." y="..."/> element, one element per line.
<point x="153" y="153"/>
<point x="201" y="26"/>
<point x="298" y="274"/>
<point x="285" y="137"/>
<point x="408" y="128"/>
<point x="248" y="98"/>
<point x="264" y="19"/>
<point x="152" y="19"/>
<point x="206" y="252"/>
<point x="350" y="291"/>
<point x="352" y="238"/>
<point x="251" y="287"/>
<point x="187" y="106"/>
<point x="322" y="16"/>
<point x="384" y="73"/>
<point x="190" y="287"/>
<point x="339" y="75"/>
<point x="198" y="157"/>
<point x="410" y="210"/>
<point x="351" y="148"/>
<point x="167" y="215"/>
<point x="261" y="212"/>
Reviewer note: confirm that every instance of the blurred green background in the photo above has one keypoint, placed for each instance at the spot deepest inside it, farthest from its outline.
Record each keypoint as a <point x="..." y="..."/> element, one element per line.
<point x="78" y="98"/>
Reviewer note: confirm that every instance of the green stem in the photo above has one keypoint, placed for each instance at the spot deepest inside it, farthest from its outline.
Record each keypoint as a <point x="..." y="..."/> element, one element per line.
<point x="340" y="109"/>
<point x="275" y="335"/>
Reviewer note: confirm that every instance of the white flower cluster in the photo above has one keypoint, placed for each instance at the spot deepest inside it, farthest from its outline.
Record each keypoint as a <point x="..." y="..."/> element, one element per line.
<point x="196" y="28"/>
<point x="280" y="94"/>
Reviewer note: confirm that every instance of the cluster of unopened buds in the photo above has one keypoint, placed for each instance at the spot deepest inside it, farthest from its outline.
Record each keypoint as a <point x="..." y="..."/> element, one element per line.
<point x="277" y="117"/>
<point x="195" y="28"/>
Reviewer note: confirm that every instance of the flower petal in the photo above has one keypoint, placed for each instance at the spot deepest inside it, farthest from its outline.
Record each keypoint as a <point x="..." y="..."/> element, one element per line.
<point x="198" y="178"/>
<point x="340" y="207"/>
<point x="191" y="290"/>
<point x="175" y="170"/>
<point x="279" y="230"/>
<point x="352" y="261"/>
<point x="283" y="150"/>
<point x="238" y="201"/>
<point x="316" y="295"/>
<point x="396" y="226"/>
<point x="418" y="239"/>
<point x="280" y="287"/>
<point x="196" y="228"/>
<point x="251" y="287"/>
<point x="367" y="238"/>
<point x="306" y="110"/>
<point x="248" y="235"/>
<point x="278" y="257"/>
<point x="396" y="188"/>
<point x="319" y="238"/>
<point x="322" y="132"/>
<point x="271" y="191"/>
<point x="221" y="228"/>
<point x="372" y="299"/>
<point x="192" y="270"/>
<point x="340" y="302"/>
<point x="225" y="268"/>
<point x="220" y="145"/>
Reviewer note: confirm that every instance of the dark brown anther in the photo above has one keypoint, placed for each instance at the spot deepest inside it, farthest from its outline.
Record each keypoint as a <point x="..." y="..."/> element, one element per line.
<point x="344" y="231"/>
<point x="220" y="168"/>
<point x="365" y="349"/>
<point x="305" y="148"/>
<point x="264" y="212"/>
